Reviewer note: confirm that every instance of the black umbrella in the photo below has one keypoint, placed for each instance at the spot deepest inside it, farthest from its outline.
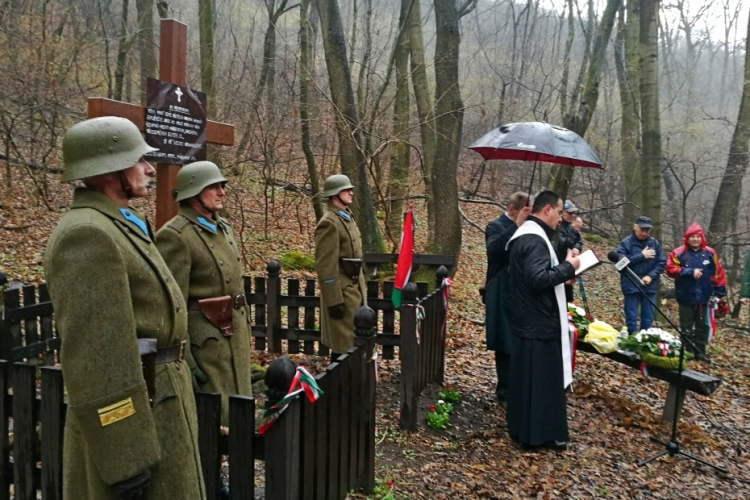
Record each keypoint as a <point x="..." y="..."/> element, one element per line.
<point x="536" y="141"/>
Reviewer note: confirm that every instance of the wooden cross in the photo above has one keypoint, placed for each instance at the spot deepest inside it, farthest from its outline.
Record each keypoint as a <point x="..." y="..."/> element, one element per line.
<point x="172" y="62"/>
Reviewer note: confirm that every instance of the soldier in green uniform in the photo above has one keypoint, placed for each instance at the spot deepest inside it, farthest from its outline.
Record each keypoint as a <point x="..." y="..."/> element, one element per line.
<point x="201" y="251"/>
<point x="125" y="437"/>
<point x="338" y="262"/>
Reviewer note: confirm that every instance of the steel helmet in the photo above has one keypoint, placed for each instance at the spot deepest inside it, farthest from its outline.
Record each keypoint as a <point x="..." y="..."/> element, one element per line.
<point x="334" y="184"/>
<point x="101" y="146"/>
<point x="195" y="177"/>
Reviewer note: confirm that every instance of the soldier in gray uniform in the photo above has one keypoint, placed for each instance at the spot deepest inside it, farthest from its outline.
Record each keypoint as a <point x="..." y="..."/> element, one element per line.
<point x="338" y="263"/>
<point x="201" y="251"/>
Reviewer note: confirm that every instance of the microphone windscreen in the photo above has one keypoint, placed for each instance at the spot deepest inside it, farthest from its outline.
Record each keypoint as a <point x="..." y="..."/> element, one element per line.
<point x="613" y="256"/>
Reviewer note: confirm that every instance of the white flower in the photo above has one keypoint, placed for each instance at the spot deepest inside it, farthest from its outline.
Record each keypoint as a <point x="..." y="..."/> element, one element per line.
<point x="440" y="402"/>
<point x="580" y="311"/>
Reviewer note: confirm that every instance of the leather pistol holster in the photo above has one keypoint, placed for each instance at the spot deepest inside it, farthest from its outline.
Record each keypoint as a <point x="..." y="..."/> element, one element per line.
<point x="218" y="310"/>
<point x="352" y="267"/>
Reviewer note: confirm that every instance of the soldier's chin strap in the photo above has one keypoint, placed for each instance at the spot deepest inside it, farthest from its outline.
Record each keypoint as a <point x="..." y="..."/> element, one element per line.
<point x="127" y="188"/>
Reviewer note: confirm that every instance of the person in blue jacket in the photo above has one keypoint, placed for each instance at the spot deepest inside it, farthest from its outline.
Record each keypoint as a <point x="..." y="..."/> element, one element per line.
<point x="697" y="275"/>
<point x="647" y="260"/>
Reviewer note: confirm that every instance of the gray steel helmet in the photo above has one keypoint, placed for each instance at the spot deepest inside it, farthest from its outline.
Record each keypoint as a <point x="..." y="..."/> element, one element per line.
<point x="334" y="184"/>
<point x="101" y="146"/>
<point x="195" y="177"/>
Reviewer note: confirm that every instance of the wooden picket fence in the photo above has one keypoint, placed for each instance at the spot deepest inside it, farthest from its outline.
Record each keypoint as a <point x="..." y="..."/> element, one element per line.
<point x="317" y="450"/>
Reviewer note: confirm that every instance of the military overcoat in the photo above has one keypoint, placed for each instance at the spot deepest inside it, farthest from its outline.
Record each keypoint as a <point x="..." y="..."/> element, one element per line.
<point x="337" y="237"/>
<point x="109" y="287"/>
<point x="202" y="254"/>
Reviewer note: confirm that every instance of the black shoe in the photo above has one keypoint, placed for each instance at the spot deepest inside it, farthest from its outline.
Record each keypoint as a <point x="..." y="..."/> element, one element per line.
<point x="556" y="445"/>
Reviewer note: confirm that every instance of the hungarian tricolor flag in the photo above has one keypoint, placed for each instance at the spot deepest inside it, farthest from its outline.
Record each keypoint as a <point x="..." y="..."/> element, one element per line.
<point x="405" y="258"/>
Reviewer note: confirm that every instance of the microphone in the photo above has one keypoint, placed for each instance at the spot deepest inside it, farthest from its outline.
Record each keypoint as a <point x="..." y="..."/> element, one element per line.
<point x="621" y="264"/>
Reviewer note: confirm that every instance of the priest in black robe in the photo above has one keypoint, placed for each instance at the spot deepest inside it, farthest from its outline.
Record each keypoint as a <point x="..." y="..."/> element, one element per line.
<point x="540" y="368"/>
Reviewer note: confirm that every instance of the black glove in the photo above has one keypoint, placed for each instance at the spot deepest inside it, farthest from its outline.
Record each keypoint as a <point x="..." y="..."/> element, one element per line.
<point x="198" y="377"/>
<point x="133" y="488"/>
<point x="482" y="293"/>
<point x="337" y="311"/>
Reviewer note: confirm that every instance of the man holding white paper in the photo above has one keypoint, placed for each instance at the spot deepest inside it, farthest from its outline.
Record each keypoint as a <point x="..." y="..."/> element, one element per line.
<point x="540" y="366"/>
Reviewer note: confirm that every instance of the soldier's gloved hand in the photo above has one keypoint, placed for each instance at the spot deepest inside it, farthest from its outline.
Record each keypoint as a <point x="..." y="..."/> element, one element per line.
<point x="198" y="377"/>
<point x="337" y="311"/>
<point x="133" y="488"/>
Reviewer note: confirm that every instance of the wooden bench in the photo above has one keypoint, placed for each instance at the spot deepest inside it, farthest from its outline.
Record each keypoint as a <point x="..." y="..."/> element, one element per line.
<point x="697" y="382"/>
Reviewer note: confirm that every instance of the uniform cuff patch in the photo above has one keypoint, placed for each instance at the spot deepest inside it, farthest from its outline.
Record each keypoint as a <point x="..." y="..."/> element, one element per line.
<point x="116" y="412"/>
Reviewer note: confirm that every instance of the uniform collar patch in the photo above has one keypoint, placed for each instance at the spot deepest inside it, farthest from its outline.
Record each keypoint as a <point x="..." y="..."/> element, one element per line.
<point x="203" y="222"/>
<point x="344" y="215"/>
<point x="132" y="218"/>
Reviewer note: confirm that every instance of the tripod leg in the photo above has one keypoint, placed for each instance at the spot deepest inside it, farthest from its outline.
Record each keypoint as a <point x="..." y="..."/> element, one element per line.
<point x="690" y="455"/>
<point x="665" y="452"/>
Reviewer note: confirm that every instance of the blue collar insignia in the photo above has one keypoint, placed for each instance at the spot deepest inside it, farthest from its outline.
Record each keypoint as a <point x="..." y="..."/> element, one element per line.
<point x="203" y="222"/>
<point x="132" y="218"/>
<point x="344" y="215"/>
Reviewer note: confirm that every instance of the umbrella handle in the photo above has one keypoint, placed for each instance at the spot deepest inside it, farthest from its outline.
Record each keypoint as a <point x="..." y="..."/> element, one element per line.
<point x="531" y="184"/>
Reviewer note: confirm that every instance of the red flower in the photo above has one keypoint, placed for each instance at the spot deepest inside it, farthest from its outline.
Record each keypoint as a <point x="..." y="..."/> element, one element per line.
<point x="447" y="386"/>
<point x="432" y="408"/>
<point x="389" y="483"/>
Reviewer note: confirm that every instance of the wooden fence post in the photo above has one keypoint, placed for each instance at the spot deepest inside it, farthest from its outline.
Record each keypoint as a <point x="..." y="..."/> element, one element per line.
<point x="53" y="423"/>
<point x="6" y="479"/>
<point x="241" y="450"/>
<point x="441" y="274"/>
<point x="282" y="455"/>
<point x="208" y="405"/>
<point x="364" y="327"/>
<point x="24" y="431"/>
<point x="408" y="355"/>
<point x="273" y="292"/>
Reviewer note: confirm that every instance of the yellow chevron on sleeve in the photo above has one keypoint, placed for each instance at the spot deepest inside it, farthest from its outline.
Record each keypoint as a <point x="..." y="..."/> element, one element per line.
<point x="116" y="412"/>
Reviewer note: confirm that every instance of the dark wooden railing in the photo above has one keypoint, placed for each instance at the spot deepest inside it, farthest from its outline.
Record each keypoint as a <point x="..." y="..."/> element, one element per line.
<point x="319" y="450"/>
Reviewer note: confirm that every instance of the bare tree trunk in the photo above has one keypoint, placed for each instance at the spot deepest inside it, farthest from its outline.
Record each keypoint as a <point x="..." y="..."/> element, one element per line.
<point x="351" y="144"/>
<point x="305" y="78"/>
<point x="146" y="43"/>
<point x="122" y="51"/>
<point x="626" y="60"/>
<point x="651" y="125"/>
<point x="267" y="71"/>
<point x="566" y="60"/>
<point x="579" y="122"/>
<point x="728" y="199"/>
<point x="422" y="97"/>
<point x="399" y="174"/>
<point x="364" y="67"/>
<point x="449" y="112"/>
<point x="206" y="28"/>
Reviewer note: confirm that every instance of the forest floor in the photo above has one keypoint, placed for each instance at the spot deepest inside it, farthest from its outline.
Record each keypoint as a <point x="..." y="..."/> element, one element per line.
<point x="612" y="413"/>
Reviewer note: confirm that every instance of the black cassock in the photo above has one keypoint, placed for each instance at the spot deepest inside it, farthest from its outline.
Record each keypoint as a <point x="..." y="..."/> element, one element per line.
<point x="536" y="412"/>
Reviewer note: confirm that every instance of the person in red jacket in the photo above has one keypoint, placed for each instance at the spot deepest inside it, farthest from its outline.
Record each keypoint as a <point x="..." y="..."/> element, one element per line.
<point x="698" y="274"/>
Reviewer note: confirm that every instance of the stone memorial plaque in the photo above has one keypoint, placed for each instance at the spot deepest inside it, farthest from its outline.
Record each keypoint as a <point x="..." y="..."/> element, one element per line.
<point x="175" y="123"/>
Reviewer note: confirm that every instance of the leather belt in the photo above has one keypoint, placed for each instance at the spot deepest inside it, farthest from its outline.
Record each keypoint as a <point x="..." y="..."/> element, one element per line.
<point x="238" y="301"/>
<point x="170" y="354"/>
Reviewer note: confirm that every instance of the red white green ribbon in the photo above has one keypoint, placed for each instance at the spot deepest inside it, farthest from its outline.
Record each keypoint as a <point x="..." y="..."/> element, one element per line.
<point x="664" y="348"/>
<point x="644" y="370"/>
<point x="302" y="383"/>
<point x="710" y="318"/>
<point x="447" y="282"/>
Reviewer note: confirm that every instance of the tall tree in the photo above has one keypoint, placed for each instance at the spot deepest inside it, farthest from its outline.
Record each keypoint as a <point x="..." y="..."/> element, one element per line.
<point x="206" y="28"/>
<point x="626" y="62"/>
<point x="449" y="116"/>
<point x="650" y="120"/>
<point x="305" y="79"/>
<point x="399" y="173"/>
<point x="728" y="199"/>
<point x="425" y="113"/>
<point x="579" y="120"/>
<point x="351" y="144"/>
<point x="146" y="42"/>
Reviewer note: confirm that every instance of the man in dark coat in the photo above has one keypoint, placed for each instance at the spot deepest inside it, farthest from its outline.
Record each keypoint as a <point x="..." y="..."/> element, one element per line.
<point x="497" y="288"/>
<point x="647" y="260"/>
<point x="568" y="238"/>
<point x="540" y="368"/>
